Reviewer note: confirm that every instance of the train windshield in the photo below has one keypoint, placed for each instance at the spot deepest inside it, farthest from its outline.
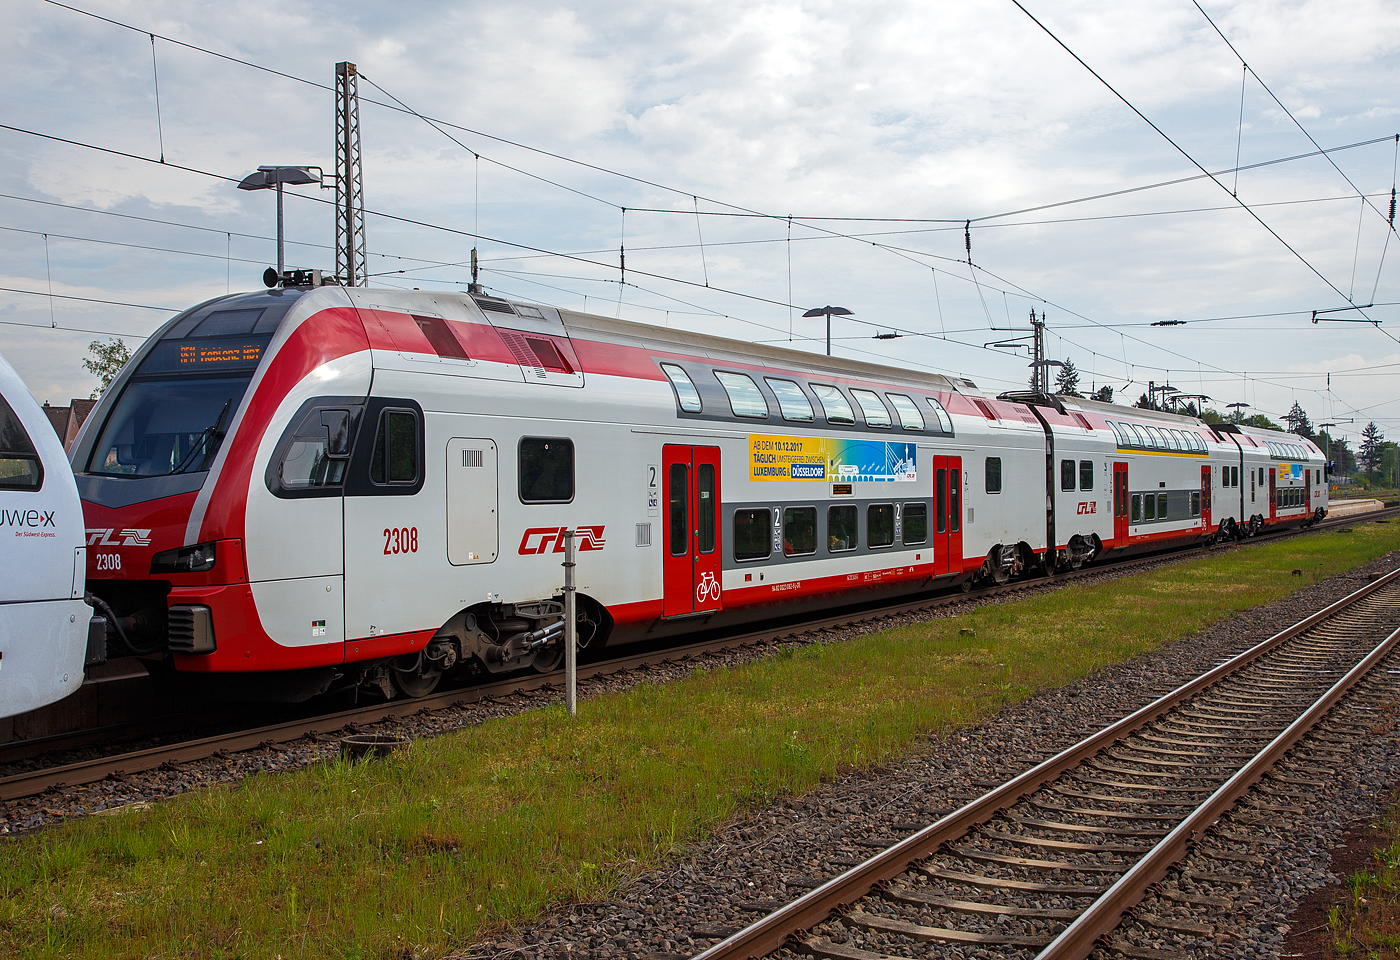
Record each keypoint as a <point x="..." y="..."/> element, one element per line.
<point x="167" y="426"/>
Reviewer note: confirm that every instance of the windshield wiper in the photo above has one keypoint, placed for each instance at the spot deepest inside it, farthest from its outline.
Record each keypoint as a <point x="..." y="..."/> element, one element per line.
<point x="209" y="440"/>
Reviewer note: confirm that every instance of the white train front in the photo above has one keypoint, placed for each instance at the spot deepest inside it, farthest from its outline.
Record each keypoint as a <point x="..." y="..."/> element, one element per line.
<point x="44" y="623"/>
<point x="372" y="486"/>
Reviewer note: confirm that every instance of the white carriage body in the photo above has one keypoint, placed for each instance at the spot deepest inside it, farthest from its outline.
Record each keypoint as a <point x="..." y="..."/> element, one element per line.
<point x="43" y="562"/>
<point x="708" y="481"/>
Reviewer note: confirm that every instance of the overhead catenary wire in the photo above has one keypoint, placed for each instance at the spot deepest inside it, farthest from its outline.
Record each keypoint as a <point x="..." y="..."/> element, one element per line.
<point x="695" y="199"/>
<point x="1192" y="160"/>
<point x="1281" y="106"/>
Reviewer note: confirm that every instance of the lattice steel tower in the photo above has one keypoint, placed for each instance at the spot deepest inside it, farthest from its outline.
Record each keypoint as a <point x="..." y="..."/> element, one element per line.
<point x="349" y="181"/>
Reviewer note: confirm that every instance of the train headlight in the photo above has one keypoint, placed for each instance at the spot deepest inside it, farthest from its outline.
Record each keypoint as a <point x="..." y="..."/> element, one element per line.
<point x="195" y="559"/>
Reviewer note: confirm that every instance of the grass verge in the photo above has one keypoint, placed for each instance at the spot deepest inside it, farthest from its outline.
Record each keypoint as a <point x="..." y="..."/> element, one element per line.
<point x="417" y="854"/>
<point x="1366" y="923"/>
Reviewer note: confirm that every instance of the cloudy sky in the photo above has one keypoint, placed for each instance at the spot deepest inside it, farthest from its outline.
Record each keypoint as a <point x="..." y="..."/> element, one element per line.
<point x="769" y="157"/>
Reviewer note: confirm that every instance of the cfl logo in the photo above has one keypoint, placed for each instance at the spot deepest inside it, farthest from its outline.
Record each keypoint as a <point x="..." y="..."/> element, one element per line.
<point x="128" y="538"/>
<point x="539" y="539"/>
<point x="1091" y="507"/>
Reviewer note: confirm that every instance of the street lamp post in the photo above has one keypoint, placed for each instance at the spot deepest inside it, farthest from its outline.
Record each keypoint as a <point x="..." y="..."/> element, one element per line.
<point x="828" y="310"/>
<point x="265" y="178"/>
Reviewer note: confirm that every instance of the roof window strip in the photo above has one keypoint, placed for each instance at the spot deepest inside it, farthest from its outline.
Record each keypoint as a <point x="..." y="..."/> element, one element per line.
<point x="745" y="399"/>
<point x="686" y="394"/>
<point x="792" y="402"/>
<point x="909" y="416"/>
<point x="875" y="413"/>
<point x="835" y="407"/>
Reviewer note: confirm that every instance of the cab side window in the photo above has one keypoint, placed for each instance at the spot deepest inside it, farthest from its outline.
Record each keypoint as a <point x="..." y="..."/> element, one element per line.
<point x="319" y="451"/>
<point x="20" y="468"/>
<point x="394" y="459"/>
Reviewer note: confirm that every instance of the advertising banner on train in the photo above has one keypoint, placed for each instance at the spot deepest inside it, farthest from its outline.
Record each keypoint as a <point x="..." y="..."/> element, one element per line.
<point x="830" y="459"/>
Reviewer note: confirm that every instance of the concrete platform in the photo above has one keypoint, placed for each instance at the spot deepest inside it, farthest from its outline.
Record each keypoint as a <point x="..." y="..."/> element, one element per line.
<point x="1351" y="508"/>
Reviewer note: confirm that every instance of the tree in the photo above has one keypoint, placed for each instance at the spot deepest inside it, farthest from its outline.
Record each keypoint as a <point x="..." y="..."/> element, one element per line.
<point x="1144" y="402"/>
<point x="1299" y="423"/>
<point x="1067" y="380"/>
<point x="1211" y="416"/>
<point x="1372" y="442"/>
<point x="1102" y="394"/>
<point x="106" y="362"/>
<point x="1262" y="422"/>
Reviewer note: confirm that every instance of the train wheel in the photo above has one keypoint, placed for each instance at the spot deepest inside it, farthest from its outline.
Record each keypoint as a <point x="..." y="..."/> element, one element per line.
<point x="548" y="659"/>
<point x="414" y="676"/>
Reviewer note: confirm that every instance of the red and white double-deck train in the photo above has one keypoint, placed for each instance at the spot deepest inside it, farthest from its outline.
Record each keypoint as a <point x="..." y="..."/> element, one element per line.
<point x="372" y="486"/>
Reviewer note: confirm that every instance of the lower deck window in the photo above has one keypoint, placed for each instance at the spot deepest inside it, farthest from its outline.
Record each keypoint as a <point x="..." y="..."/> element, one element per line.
<point x="879" y="524"/>
<point x="1161" y="506"/>
<point x="1149" y="507"/>
<point x="1195" y="503"/>
<point x="752" y="534"/>
<point x="915" y="523"/>
<point x="799" y="531"/>
<point x="1137" y="508"/>
<point x="546" y="470"/>
<point x="841" y="528"/>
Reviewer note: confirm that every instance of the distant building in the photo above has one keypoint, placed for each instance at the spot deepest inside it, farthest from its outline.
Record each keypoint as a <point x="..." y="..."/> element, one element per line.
<point x="67" y="420"/>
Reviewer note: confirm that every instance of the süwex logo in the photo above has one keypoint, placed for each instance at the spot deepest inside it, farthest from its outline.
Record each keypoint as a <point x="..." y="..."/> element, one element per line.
<point x="26" y="518"/>
<point x="130" y="537"/>
<point x="540" y="539"/>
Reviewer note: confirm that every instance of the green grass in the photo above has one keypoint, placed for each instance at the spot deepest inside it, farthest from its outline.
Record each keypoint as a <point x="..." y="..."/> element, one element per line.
<point x="1367" y="922"/>
<point x="472" y="831"/>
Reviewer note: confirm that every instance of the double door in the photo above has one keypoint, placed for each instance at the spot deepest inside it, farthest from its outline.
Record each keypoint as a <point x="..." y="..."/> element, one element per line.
<point x="1120" y="504"/>
<point x="691" y="531"/>
<point x="947" y="515"/>
<point x="1205" y="495"/>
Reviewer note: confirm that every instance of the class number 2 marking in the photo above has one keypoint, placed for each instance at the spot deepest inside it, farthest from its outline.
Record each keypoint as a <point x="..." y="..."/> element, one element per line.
<point x="400" y="540"/>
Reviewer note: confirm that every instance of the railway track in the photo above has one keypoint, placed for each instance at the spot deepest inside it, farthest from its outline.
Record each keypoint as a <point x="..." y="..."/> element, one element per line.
<point x="43" y="777"/>
<point x="1047" y="864"/>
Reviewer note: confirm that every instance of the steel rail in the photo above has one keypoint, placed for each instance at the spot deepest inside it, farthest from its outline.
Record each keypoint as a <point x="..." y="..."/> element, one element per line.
<point x="769" y="933"/>
<point x="30" y="783"/>
<point x="1103" y="915"/>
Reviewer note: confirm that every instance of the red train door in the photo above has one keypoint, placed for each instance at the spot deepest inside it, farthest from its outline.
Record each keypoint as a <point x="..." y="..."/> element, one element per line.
<point x="947" y="515"/>
<point x="691" y="531"/>
<point x="1307" y="488"/>
<point x="1120" y="504"/>
<point x="1273" y="493"/>
<point x="1205" y="496"/>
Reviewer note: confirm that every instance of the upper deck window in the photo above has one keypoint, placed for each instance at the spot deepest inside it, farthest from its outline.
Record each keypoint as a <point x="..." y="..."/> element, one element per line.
<point x="834" y="405"/>
<point x="944" y="421"/>
<point x="909" y="416"/>
<point x="20" y="468"/>
<point x="791" y="400"/>
<point x="875" y="413"/>
<point x="686" y="394"/>
<point x="744" y="397"/>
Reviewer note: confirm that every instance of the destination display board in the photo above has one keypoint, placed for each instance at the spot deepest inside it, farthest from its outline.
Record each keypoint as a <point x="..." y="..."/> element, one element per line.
<point x="204" y="355"/>
<point x="779" y="458"/>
